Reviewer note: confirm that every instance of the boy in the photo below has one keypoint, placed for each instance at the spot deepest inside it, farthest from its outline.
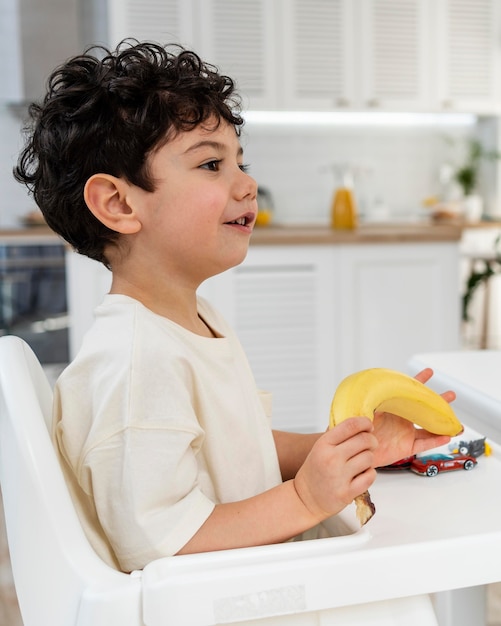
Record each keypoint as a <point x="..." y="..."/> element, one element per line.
<point x="134" y="158"/>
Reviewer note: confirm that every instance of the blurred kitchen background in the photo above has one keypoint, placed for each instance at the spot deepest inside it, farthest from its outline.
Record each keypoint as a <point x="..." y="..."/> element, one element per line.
<point x="391" y="92"/>
<point x="396" y="87"/>
<point x="395" y="92"/>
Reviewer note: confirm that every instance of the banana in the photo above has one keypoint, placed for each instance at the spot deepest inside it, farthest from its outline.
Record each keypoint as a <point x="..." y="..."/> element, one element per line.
<point x="385" y="390"/>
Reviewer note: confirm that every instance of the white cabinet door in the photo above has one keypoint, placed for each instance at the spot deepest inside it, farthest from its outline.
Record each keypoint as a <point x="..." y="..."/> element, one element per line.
<point x="281" y="304"/>
<point x="394" y="301"/>
<point x="241" y="39"/>
<point x="407" y="55"/>
<point x="356" y="54"/>
<point x="319" y="47"/>
<point x="165" y="22"/>
<point x="468" y="55"/>
<point x="394" y="43"/>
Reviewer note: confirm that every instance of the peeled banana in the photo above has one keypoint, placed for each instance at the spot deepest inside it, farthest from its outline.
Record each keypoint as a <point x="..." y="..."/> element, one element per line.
<point x="385" y="390"/>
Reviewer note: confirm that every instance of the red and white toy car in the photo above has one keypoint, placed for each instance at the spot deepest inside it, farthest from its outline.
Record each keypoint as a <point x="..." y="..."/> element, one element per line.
<point x="432" y="464"/>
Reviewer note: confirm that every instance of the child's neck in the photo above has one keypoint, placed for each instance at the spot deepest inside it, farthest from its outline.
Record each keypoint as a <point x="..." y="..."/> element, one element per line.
<point x="177" y="305"/>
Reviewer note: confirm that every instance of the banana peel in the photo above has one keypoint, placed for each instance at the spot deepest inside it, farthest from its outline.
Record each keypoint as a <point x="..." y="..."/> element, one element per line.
<point x="384" y="390"/>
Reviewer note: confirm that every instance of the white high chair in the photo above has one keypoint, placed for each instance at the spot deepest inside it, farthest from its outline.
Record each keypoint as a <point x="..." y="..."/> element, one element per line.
<point x="59" y="579"/>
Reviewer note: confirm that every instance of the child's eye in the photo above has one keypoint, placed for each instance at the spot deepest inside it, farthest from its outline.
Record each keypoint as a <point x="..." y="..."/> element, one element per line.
<point x="245" y="167"/>
<point x="212" y="166"/>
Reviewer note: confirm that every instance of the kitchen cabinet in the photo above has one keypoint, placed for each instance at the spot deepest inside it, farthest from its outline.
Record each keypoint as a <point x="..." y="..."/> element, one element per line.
<point x="356" y="55"/>
<point x="241" y="39"/>
<point x="467" y="60"/>
<point x="393" y="300"/>
<point x="308" y="315"/>
<point x="382" y="55"/>
<point x="394" y="56"/>
<point x="319" y="54"/>
<point x="169" y="21"/>
<point x="407" y="55"/>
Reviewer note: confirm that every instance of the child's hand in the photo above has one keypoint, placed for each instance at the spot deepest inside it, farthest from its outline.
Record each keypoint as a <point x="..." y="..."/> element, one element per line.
<point x="338" y="468"/>
<point x="399" y="438"/>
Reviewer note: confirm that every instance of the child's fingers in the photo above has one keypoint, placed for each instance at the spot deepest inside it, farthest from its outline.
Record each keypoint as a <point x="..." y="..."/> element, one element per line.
<point x="363" y="481"/>
<point x="359" y="463"/>
<point x="424" y="375"/>
<point x="448" y="396"/>
<point x="347" y="429"/>
<point x="353" y="436"/>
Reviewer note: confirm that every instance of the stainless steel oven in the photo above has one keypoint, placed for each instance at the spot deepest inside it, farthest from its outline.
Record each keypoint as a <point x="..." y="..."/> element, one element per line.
<point x="33" y="294"/>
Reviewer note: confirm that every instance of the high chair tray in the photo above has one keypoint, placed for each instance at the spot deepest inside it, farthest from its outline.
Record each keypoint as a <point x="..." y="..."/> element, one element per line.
<point x="428" y="535"/>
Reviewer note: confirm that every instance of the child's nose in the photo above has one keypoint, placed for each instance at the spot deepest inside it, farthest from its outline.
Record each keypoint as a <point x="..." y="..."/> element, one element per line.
<point x="248" y="186"/>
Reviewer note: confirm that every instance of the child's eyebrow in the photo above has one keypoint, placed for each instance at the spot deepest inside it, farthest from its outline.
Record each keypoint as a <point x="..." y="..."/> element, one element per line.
<point x="208" y="143"/>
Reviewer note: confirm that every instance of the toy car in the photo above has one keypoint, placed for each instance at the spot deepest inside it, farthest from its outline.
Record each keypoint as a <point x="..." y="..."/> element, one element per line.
<point x="434" y="463"/>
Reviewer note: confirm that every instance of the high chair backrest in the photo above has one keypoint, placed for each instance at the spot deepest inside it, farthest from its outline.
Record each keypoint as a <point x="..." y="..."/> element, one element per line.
<point x="59" y="579"/>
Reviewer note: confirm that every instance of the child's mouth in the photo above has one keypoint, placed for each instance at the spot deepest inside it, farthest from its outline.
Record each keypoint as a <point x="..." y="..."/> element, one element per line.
<point x="244" y="220"/>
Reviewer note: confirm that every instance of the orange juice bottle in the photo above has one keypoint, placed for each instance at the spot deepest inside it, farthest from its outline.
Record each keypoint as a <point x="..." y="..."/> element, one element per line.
<point x="343" y="209"/>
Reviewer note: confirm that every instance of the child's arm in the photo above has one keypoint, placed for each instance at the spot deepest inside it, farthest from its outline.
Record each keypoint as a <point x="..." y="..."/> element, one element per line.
<point x="336" y="470"/>
<point x="292" y="450"/>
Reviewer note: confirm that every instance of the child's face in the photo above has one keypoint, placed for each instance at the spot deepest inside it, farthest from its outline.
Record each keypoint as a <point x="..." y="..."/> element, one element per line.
<point x="199" y="219"/>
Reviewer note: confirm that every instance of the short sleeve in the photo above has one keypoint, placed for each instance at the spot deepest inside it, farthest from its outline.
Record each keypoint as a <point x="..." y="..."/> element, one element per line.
<point x="145" y="488"/>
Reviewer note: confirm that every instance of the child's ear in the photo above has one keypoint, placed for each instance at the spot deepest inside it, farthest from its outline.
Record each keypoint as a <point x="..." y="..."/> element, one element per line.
<point x="106" y="197"/>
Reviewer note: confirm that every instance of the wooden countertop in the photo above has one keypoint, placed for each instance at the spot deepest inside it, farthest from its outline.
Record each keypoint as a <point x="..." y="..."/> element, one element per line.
<point x="301" y="234"/>
<point x="366" y="233"/>
<point x="30" y="235"/>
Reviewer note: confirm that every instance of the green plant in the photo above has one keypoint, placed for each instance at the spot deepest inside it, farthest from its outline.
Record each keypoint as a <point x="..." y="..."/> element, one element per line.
<point x="479" y="277"/>
<point x="467" y="175"/>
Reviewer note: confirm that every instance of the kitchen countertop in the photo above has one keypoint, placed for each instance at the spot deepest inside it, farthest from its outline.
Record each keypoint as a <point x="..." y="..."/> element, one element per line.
<point x="34" y="235"/>
<point x="365" y="233"/>
<point x="396" y="232"/>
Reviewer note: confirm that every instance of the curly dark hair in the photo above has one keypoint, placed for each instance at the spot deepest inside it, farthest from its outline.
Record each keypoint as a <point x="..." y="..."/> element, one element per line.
<point x="105" y="112"/>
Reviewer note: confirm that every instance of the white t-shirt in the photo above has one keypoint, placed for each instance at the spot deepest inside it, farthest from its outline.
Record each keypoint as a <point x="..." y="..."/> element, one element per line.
<point x="155" y="425"/>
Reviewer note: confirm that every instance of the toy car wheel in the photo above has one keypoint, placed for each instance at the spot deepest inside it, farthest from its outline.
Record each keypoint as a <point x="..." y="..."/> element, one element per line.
<point x="469" y="464"/>
<point x="432" y="470"/>
<point x="463" y="450"/>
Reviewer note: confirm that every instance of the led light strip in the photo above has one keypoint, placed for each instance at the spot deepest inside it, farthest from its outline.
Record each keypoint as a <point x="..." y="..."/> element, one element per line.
<point x="349" y="118"/>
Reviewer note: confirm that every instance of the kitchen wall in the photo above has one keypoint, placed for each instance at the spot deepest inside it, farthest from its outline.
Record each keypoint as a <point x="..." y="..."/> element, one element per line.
<point x="399" y="165"/>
